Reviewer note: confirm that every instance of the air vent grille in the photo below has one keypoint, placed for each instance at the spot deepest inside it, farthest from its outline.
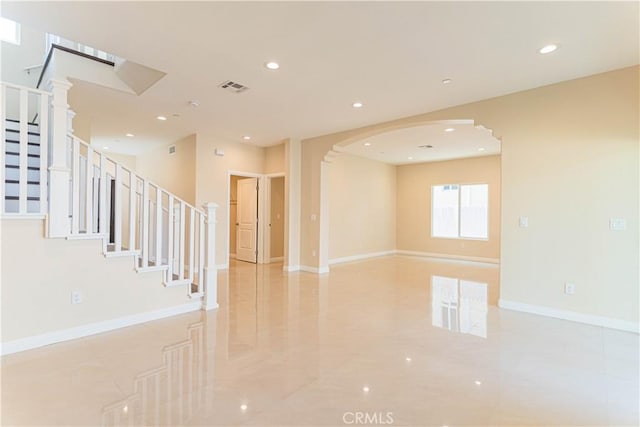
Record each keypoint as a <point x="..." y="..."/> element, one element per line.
<point x="172" y="149"/>
<point x="232" y="86"/>
<point x="425" y="146"/>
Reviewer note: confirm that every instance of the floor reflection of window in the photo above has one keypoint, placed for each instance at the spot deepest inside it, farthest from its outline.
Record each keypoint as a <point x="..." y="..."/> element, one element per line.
<point x="459" y="305"/>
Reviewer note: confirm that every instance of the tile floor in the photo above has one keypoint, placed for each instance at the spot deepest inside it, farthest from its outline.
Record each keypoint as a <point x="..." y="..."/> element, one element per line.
<point x="389" y="341"/>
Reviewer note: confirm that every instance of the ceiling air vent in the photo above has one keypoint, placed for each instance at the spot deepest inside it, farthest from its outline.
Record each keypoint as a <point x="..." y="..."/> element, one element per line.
<point x="425" y="146"/>
<point x="172" y="149"/>
<point x="234" y="87"/>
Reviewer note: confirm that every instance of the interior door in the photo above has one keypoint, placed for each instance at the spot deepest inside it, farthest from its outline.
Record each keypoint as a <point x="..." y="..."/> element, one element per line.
<point x="247" y="220"/>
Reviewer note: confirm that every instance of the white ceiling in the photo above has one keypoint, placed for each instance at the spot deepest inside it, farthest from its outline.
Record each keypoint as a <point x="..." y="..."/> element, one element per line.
<point x="447" y="141"/>
<point x="392" y="56"/>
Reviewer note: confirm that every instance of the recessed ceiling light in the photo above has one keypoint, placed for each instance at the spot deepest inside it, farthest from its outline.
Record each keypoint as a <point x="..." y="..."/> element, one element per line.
<point x="365" y="389"/>
<point x="548" y="48"/>
<point x="410" y="158"/>
<point x="243" y="407"/>
<point x="130" y="135"/>
<point x="272" y="65"/>
<point x="449" y="129"/>
<point x="408" y="359"/>
<point x="194" y="104"/>
<point x="105" y="148"/>
<point x="246" y="137"/>
<point x="367" y="144"/>
<point x="357" y="104"/>
<point x="163" y="118"/>
<point x="478" y="382"/>
<point x="481" y="149"/>
<point x="446" y="81"/>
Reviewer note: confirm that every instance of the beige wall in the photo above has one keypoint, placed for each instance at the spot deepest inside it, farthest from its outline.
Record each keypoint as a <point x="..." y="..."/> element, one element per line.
<point x="129" y="162"/>
<point x="414" y="205"/>
<point x="276" y="218"/>
<point x="213" y="179"/>
<point x="38" y="300"/>
<point x="362" y="206"/>
<point x="570" y="156"/>
<point x="274" y="159"/>
<point x="174" y="172"/>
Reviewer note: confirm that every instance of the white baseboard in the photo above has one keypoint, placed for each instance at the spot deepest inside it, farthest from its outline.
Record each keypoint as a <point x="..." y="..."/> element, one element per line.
<point x="291" y="268"/>
<point x="36" y="341"/>
<point x="607" y="322"/>
<point x="361" y="257"/>
<point x="277" y="259"/>
<point x="309" y="269"/>
<point x="452" y="258"/>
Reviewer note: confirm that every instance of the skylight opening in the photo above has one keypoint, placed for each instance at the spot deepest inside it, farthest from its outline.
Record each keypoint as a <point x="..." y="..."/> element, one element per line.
<point x="9" y="31"/>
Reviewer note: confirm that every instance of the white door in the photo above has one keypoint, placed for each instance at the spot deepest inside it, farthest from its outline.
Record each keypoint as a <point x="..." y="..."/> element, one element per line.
<point x="247" y="220"/>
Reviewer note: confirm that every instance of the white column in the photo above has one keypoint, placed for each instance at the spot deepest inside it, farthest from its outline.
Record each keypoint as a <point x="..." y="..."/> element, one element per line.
<point x="59" y="172"/>
<point x="210" y="300"/>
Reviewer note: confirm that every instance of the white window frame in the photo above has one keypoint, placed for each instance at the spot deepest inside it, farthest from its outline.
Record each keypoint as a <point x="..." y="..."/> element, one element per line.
<point x="459" y="237"/>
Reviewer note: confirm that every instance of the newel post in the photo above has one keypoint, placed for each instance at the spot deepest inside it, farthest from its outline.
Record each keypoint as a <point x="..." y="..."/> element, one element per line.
<point x="210" y="300"/>
<point x="59" y="173"/>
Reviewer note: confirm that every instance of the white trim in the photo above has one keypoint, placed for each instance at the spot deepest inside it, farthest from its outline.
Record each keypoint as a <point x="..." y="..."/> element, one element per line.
<point x="23" y="216"/>
<point x="291" y="268"/>
<point x="454" y="258"/>
<point x="277" y="259"/>
<point x="48" y="338"/>
<point x="607" y="322"/>
<point x="361" y="257"/>
<point x="316" y="270"/>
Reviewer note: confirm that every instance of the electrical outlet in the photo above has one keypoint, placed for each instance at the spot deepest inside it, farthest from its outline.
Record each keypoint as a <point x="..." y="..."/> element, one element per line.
<point x="523" y="222"/>
<point x="76" y="297"/>
<point x="569" y="288"/>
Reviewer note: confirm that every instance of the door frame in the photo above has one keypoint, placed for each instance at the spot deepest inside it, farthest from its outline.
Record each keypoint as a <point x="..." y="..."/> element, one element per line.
<point x="261" y="212"/>
<point x="267" y="211"/>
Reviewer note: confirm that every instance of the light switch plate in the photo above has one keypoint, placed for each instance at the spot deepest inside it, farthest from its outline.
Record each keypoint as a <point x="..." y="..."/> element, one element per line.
<point x="523" y="221"/>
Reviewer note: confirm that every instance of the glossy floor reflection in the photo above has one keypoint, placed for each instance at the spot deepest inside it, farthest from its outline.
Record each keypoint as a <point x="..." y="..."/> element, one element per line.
<point x="393" y="340"/>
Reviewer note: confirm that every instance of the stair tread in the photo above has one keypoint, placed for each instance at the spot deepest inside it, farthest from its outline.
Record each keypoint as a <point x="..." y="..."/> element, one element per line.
<point x="11" y="153"/>
<point x="33" y="168"/>
<point x="28" y="132"/>
<point x="33" y="199"/>
<point x="15" y="181"/>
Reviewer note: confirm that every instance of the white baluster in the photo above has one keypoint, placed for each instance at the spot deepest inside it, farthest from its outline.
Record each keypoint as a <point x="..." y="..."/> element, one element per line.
<point x="3" y="146"/>
<point x="158" y="226"/>
<point x="102" y="203"/>
<point x="210" y="300"/>
<point x="201" y="237"/>
<point x="144" y="232"/>
<point x="44" y="151"/>
<point x="89" y="192"/>
<point x="75" y="183"/>
<point x="192" y="255"/>
<point x="133" y="191"/>
<point x="24" y="147"/>
<point x="117" y="238"/>
<point x="181" y="245"/>
<point x="171" y="230"/>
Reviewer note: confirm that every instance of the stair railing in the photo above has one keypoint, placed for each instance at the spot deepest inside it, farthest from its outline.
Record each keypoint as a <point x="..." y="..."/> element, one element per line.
<point x="84" y="194"/>
<point x="134" y="216"/>
<point x="23" y="160"/>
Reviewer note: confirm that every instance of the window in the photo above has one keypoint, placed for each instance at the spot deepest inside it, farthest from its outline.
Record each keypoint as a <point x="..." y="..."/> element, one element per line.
<point x="9" y="31"/>
<point x="460" y="211"/>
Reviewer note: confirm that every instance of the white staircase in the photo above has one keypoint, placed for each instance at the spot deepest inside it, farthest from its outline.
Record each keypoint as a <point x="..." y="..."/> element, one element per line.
<point x="83" y="194"/>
